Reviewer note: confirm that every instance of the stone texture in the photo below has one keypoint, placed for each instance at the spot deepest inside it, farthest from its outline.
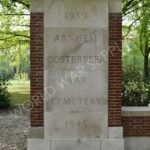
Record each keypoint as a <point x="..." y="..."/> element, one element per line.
<point x="75" y="145"/>
<point x="112" y="144"/>
<point x="37" y="6"/>
<point x="85" y="83"/>
<point x="70" y="78"/>
<point x="137" y="143"/>
<point x="115" y="132"/>
<point x="38" y="144"/>
<point x="76" y="125"/>
<point x="79" y="13"/>
<point x="36" y="133"/>
<point x="136" y="111"/>
<point x="115" y="6"/>
<point x="76" y="66"/>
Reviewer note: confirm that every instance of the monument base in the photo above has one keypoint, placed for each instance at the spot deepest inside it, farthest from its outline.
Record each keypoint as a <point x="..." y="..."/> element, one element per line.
<point x="115" y="141"/>
<point x="105" y="144"/>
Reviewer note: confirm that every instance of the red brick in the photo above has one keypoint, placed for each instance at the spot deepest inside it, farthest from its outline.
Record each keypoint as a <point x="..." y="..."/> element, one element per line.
<point x="37" y="47"/>
<point x="115" y="70"/>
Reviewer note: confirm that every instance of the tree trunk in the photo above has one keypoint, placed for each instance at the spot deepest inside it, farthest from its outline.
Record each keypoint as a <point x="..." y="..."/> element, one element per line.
<point x="146" y="71"/>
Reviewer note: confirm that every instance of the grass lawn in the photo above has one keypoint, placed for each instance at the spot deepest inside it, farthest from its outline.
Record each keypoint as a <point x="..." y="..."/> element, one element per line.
<point x="20" y="91"/>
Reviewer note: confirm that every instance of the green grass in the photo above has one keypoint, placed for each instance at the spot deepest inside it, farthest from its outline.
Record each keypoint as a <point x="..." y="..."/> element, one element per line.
<point x="20" y="82"/>
<point x="20" y="91"/>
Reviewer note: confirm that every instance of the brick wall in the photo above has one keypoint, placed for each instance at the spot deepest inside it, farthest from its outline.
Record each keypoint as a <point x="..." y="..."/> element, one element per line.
<point x="136" y="126"/>
<point x="115" y="69"/>
<point x="36" y="69"/>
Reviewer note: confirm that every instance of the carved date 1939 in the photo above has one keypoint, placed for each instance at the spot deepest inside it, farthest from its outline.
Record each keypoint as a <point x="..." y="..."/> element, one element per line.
<point x="75" y="15"/>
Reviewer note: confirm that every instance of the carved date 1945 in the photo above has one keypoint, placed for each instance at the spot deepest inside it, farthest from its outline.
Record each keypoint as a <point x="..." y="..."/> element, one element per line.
<point x="76" y="124"/>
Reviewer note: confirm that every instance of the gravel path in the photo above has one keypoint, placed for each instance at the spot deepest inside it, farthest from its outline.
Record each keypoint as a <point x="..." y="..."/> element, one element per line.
<point x="14" y="129"/>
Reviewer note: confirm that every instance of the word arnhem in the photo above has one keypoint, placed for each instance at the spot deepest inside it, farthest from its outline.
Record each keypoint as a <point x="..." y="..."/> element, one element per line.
<point x="91" y="37"/>
<point x="75" y="59"/>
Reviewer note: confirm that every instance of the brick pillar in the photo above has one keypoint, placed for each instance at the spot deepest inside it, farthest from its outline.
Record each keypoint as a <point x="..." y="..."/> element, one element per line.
<point x="115" y="69"/>
<point x="37" y="48"/>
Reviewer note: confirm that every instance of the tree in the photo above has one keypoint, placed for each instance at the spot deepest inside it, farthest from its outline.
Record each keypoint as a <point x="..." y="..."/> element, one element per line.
<point x="14" y="33"/>
<point x="144" y="38"/>
<point x="137" y="27"/>
<point x="130" y="7"/>
<point x="14" y="22"/>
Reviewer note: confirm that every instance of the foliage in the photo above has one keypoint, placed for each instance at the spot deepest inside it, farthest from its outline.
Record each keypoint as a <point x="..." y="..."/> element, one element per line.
<point x="136" y="31"/>
<point x="136" y="93"/>
<point x="135" y="90"/>
<point x="132" y="74"/>
<point x="14" y="36"/>
<point x="136" y="50"/>
<point x="14" y="24"/>
<point x="130" y="6"/>
<point x="131" y="11"/>
<point x="4" y="95"/>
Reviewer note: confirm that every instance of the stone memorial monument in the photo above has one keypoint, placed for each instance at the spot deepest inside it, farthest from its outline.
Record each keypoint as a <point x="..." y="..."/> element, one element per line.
<point x="70" y="76"/>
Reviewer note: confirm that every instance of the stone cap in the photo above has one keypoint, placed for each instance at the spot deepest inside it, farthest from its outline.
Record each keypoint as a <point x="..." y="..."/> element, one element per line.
<point x="136" y="111"/>
<point x="115" y="6"/>
<point x="37" y="6"/>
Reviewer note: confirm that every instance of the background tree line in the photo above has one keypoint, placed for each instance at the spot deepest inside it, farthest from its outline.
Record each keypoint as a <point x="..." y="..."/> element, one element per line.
<point x="14" y="37"/>
<point x="136" y="50"/>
